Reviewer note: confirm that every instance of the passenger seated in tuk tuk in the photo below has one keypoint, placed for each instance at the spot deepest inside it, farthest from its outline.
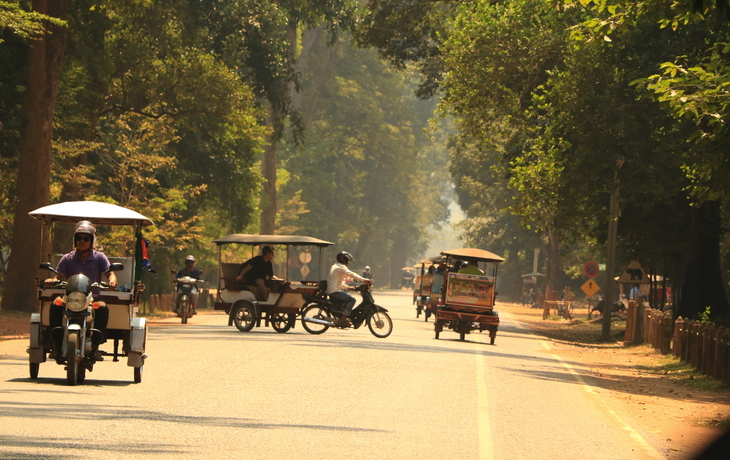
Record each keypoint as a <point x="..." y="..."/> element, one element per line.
<point x="470" y="268"/>
<point x="87" y="261"/>
<point x="336" y="287"/>
<point x="255" y="271"/>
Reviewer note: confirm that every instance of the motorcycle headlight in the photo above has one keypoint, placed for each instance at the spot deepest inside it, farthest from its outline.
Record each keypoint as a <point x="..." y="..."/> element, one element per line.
<point x="76" y="301"/>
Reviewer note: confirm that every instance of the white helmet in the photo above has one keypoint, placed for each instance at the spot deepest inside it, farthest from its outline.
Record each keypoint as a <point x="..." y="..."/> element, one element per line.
<point x="367" y="268"/>
<point x="190" y="257"/>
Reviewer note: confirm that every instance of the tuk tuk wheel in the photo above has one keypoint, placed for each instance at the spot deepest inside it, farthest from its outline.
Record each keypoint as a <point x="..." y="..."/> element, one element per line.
<point x="462" y="330"/>
<point x="244" y="317"/>
<point x="34" y="367"/>
<point x="282" y="322"/>
<point x="138" y="374"/>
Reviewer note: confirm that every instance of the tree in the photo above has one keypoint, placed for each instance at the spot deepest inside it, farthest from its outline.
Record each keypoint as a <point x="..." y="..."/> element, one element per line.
<point x="44" y="73"/>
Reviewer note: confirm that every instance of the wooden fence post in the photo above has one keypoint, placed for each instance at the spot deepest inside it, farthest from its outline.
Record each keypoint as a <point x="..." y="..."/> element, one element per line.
<point x="630" y="323"/>
<point x="717" y="360"/>
<point x="695" y="359"/>
<point x="707" y="351"/>
<point x="726" y="356"/>
<point x="154" y="303"/>
<point x="647" y="325"/>
<point x="677" y="342"/>
<point x="667" y="330"/>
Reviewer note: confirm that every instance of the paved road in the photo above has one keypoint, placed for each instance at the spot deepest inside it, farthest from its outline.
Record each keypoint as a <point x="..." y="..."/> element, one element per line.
<point x="210" y="391"/>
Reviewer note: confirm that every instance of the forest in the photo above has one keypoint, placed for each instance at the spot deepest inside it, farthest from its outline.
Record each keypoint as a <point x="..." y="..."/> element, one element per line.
<point x="355" y="122"/>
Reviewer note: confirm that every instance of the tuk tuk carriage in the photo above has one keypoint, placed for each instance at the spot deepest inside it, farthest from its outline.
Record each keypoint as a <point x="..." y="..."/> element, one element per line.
<point x="423" y="295"/>
<point x="468" y="293"/>
<point x="285" y="297"/>
<point x="123" y="324"/>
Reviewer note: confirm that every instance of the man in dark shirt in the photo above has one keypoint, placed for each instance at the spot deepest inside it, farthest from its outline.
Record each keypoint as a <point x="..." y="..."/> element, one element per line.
<point x="256" y="270"/>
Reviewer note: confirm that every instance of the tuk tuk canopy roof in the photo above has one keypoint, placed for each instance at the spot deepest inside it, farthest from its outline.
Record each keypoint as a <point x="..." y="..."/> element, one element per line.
<point x="431" y="260"/>
<point x="473" y="253"/>
<point x="257" y="240"/>
<point x="94" y="211"/>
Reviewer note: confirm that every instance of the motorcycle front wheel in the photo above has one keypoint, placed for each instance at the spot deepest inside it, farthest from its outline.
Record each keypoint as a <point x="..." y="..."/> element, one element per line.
<point x="72" y="359"/>
<point x="183" y="309"/>
<point x="380" y="324"/>
<point x="316" y="312"/>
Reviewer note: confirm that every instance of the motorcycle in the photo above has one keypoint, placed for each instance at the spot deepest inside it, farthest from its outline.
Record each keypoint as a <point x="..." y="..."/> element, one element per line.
<point x="320" y="312"/>
<point x="185" y="308"/>
<point x="618" y="309"/>
<point x="77" y="335"/>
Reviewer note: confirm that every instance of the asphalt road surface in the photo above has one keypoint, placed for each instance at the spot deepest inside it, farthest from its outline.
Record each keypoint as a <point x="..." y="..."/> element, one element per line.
<point x="210" y="391"/>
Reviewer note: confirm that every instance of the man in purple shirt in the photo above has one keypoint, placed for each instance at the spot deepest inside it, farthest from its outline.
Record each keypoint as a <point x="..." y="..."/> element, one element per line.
<point x="83" y="260"/>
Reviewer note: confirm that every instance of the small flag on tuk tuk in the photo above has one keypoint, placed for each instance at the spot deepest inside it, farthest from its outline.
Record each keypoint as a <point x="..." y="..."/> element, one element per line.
<point x="143" y="260"/>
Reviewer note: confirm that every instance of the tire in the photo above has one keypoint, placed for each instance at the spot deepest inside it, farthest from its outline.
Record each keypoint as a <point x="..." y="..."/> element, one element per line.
<point x="138" y="374"/>
<point x="380" y="324"/>
<point x="81" y="374"/>
<point x="462" y="330"/>
<point x="428" y="313"/>
<point x="244" y="317"/>
<point x="72" y="359"/>
<point x="183" y="309"/>
<point x="282" y="322"/>
<point x="34" y="367"/>
<point x="316" y="312"/>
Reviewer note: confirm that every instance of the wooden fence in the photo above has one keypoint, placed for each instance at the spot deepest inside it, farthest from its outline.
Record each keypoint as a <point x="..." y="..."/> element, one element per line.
<point x="705" y="346"/>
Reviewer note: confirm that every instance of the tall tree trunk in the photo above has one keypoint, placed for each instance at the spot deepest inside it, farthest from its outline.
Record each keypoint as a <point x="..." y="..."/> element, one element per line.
<point x="278" y="106"/>
<point x="268" y="171"/>
<point x="702" y="285"/>
<point x="34" y="169"/>
<point x="554" y="278"/>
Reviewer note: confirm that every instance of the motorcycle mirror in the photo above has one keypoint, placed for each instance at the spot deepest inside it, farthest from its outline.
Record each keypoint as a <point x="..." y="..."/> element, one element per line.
<point x="48" y="266"/>
<point x="115" y="267"/>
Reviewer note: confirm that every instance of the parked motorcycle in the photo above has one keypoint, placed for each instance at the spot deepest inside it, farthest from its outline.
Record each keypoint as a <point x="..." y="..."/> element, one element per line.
<point x="320" y="312"/>
<point x="76" y="334"/>
<point x="184" y="303"/>
<point x="618" y="309"/>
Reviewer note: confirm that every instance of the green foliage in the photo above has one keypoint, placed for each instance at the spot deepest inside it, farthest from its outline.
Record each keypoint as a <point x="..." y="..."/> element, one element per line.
<point x="25" y="24"/>
<point x="705" y="316"/>
<point x="361" y="172"/>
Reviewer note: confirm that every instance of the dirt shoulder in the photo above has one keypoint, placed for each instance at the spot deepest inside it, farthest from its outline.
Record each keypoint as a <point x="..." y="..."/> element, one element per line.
<point x="677" y="408"/>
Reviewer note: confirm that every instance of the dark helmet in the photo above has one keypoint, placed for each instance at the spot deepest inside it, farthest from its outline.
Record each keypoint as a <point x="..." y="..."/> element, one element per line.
<point x="344" y="257"/>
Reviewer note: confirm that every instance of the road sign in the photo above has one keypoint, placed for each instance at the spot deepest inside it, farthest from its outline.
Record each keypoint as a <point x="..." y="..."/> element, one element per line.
<point x="304" y="271"/>
<point x="590" y="288"/>
<point x="633" y="274"/>
<point x="591" y="269"/>
<point x="305" y="257"/>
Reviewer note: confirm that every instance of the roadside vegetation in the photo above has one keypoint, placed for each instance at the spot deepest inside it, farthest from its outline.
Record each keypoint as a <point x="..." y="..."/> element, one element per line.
<point x="358" y="123"/>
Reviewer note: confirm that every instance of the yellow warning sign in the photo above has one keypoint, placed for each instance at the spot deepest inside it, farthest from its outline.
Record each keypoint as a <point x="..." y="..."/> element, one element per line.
<point x="633" y="274"/>
<point x="590" y="288"/>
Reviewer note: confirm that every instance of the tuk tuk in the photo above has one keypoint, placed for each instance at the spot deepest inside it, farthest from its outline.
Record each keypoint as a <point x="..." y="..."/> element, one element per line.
<point x="123" y="324"/>
<point x="467" y="301"/>
<point x="285" y="297"/>
<point x="423" y="294"/>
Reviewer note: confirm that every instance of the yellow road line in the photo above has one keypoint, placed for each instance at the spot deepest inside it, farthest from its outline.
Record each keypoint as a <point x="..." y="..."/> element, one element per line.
<point x="486" y="448"/>
<point x="625" y="426"/>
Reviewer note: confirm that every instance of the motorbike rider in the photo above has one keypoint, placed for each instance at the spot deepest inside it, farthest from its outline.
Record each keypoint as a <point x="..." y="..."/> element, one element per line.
<point x="86" y="261"/>
<point x="256" y="270"/>
<point x="192" y="272"/>
<point x="336" y="288"/>
<point x="367" y="273"/>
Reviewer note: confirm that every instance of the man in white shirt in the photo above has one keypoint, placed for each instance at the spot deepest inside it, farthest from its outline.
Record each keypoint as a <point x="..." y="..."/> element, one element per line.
<point x="336" y="288"/>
